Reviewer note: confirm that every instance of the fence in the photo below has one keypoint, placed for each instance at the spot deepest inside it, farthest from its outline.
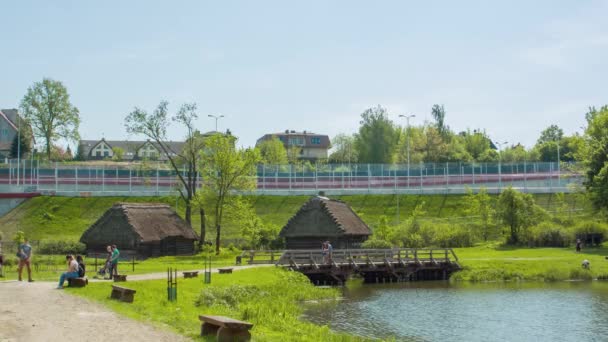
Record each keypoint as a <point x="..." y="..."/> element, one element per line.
<point x="144" y="179"/>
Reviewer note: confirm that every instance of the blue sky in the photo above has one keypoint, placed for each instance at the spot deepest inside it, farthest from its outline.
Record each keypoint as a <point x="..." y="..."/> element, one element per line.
<point x="512" y="67"/>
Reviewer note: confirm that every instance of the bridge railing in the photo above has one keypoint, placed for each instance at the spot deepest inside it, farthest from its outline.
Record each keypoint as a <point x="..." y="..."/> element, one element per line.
<point x="356" y="256"/>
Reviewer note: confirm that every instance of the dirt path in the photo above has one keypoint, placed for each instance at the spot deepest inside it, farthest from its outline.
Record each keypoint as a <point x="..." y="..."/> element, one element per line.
<point x="163" y="275"/>
<point x="32" y="312"/>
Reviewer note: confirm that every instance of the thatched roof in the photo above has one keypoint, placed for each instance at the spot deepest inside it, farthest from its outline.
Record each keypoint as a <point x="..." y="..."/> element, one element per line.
<point x="146" y="222"/>
<point x="321" y="216"/>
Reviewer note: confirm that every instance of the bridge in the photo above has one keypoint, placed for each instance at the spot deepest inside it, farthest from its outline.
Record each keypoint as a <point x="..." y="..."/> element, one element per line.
<point x="373" y="265"/>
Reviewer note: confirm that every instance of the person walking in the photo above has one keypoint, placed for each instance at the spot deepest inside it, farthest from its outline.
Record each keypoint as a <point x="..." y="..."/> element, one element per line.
<point x="25" y="256"/>
<point x="114" y="261"/>
<point x="72" y="271"/>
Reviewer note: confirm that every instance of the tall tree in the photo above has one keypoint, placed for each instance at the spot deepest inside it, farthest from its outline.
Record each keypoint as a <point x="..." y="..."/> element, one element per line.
<point x="596" y="156"/>
<point x="47" y="107"/>
<point x="344" y="149"/>
<point x="517" y="211"/>
<point x="154" y="126"/>
<point x="226" y="170"/>
<point x="438" y="113"/>
<point x="480" y="205"/>
<point x="378" y="137"/>
<point x="24" y="139"/>
<point x="273" y="151"/>
<point x="551" y="133"/>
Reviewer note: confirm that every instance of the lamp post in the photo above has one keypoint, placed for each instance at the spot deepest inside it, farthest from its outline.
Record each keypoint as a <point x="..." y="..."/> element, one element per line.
<point x="18" y="147"/>
<point x="558" y="164"/>
<point x="500" y="145"/>
<point x="407" y="138"/>
<point x="216" y="117"/>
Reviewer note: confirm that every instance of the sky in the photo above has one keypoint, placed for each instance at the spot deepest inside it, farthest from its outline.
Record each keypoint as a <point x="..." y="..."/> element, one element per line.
<point x="510" y="67"/>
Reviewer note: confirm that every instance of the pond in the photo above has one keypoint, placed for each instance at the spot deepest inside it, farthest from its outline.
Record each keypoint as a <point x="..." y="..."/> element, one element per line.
<point x="440" y="311"/>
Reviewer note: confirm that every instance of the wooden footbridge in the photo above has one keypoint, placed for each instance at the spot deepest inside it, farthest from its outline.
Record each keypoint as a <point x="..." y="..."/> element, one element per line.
<point x="373" y="265"/>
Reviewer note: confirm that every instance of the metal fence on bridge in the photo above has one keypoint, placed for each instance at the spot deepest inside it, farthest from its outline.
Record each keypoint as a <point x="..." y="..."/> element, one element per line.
<point x="158" y="179"/>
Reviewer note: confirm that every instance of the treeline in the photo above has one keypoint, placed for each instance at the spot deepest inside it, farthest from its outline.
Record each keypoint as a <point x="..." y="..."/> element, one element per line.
<point x="513" y="217"/>
<point x="381" y="140"/>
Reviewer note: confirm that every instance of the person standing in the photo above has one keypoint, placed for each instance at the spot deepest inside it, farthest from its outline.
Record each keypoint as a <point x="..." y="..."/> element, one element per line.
<point x="25" y="256"/>
<point x="114" y="261"/>
<point x="330" y="251"/>
<point x="72" y="271"/>
<point x="578" y="245"/>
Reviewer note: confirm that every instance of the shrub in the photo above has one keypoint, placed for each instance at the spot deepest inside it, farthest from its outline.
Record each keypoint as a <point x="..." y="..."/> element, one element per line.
<point x="229" y="296"/>
<point x="581" y="274"/>
<point x="587" y="227"/>
<point x="548" y="234"/>
<point x="376" y="243"/>
<point x="61" y="247"/>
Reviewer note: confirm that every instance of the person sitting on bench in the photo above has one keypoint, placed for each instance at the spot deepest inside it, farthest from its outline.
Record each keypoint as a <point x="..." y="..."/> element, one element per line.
<point x="72" y="271"/>
<point x="82" y="268"/>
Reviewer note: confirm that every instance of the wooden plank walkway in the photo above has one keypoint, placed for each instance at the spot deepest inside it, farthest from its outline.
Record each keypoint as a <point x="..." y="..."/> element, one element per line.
<point x="374" y="265"/>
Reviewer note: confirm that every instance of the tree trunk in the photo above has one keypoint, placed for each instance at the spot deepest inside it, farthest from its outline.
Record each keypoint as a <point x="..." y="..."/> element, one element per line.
<point x="189" y="212"/>
<point x="217" y="239"/>
<point x="203" y="227"/>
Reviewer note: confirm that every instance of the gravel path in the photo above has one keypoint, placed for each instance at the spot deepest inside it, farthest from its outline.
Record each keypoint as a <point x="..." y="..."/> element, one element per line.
<point x="32" y="312"/>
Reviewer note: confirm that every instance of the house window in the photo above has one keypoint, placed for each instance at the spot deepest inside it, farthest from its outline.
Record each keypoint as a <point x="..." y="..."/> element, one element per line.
<point x="297" y="141"/>
<point x="106" y="153"/>
<point x="98" y="154"/>
<point x="315" y="140"/>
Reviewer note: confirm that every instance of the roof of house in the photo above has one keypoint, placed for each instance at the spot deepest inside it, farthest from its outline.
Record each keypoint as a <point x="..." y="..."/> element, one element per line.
<point x="129" y="146"/>
<point x="11" y="116"/>
<point x="307" y="136"/>
<point x="323" y="216"/>
<point x="150" y="222"/>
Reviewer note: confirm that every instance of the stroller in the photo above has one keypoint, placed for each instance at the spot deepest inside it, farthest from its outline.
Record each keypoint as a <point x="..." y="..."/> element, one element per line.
<point x="106" y="269"/>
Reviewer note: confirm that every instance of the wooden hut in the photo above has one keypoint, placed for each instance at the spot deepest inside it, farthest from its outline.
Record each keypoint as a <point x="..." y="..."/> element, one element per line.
<point x="323" y="219"/>
<point x="143" y="229"/>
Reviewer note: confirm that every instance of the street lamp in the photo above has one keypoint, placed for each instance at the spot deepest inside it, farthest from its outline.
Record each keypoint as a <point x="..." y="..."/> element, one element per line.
<point x="216" y="117"/>
<point x="558" y="164"/>
<point x="407" y="138"/>
<point x="18" y="146"/>
<point x="500" y="145"/>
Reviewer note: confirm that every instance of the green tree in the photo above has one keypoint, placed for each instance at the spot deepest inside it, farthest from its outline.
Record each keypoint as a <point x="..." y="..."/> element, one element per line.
<point x="117" y="153"/>
<point x="517" y="211"/>
<point x="47" y="107"/>
<point x="154" y="126"/>
<point x="596" y="156"/>
<point x="344" y="149"/>
<point x="25" y="140"/>
<point x="551" y="133"/>
<point x="476" y="143"/>
<point x="273" y="151"/>
<point x="438" y="113"/>
<point x="226" y="170"/>
<point x="480" y="205"/>
<point x="377" y="137"/>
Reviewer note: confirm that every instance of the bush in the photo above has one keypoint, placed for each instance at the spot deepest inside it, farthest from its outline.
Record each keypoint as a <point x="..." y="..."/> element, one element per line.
<point x="61" y="247"/>
<point x="376" y="243"/>
<point x="229" y="296"/>
<point x="548" y="234"/>
<point x="587" y="227"/>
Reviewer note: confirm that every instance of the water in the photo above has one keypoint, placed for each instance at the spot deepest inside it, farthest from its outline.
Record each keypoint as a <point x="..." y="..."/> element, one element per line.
<point x="438" y="311"/>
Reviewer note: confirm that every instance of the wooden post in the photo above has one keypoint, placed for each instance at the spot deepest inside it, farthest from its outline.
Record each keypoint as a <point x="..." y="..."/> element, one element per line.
<point x="133" y="262"/>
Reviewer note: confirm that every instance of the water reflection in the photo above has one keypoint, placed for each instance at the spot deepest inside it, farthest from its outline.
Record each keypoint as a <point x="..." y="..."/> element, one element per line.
<point x="439" y="311"/>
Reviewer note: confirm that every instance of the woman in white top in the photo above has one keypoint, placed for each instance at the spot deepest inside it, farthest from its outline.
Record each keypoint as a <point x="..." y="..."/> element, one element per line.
<point x="72" y="271"/>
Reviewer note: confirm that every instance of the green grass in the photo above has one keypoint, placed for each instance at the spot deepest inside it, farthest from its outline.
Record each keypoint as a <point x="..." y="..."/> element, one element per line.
<point x="495" y="263"/>
<point x="270" y="298"/>
<point x="65" y="218"/>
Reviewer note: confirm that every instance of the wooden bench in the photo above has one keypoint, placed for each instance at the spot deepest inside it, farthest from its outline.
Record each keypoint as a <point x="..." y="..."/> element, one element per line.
<point x="120" y="277"/>
<point x="122" y="293"/>
<point x="190" y="274"/>
<point x="78" y="282"/>
<point x="224" y="270"/>
<point x="225" y="328"/>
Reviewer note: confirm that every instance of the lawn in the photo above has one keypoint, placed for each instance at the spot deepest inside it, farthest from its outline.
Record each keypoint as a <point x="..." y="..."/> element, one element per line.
<point x="66" y="218"/>
<point x="492" y="262"/>
<point x="270" y="298"/>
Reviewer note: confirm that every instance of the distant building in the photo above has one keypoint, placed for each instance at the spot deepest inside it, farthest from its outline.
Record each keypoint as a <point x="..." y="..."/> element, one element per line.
<point x="10" y="120"/>
<point x="143" y="229"/>
<point x="132" y="150"/>
<point x="323" y="219"/>
<point x="309" y="146"/>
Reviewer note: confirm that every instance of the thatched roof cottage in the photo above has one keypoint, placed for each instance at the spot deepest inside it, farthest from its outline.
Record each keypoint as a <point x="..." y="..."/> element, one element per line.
<point x="145" y="229"/>
<point x="321" y="219"/>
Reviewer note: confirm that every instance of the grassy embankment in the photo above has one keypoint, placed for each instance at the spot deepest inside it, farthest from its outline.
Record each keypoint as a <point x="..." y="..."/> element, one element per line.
<point x="270" y="298"/>
<point x="65" y="218"/>
<point x="493" y="262"/>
